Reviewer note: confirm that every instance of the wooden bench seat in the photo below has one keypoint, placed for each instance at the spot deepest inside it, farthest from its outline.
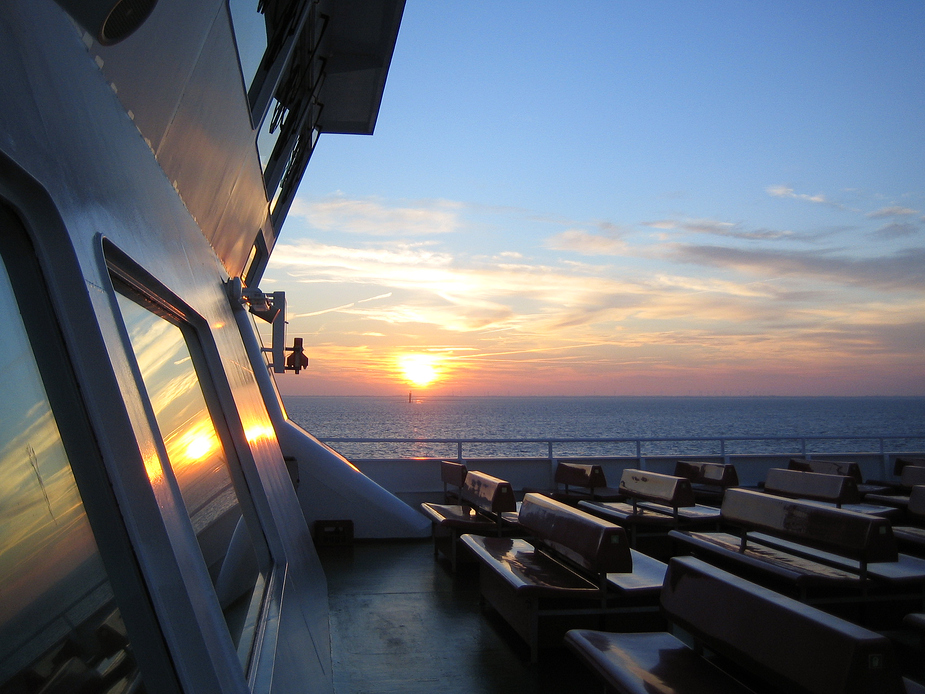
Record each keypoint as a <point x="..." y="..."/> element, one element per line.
<point x="839" y="467"/>
<point x="808" y="545"/>
<point x="656" y="502"/>
<point x="574" y="567"/>
<point x="488" y="507"/>
<point x="839" y="490"/>
<point x="577" y="481"/>
<point x="764" y="639"/>
<point x="911" y="476"/>
<point x="911" y="537"/>
<point x="708" y="480"/>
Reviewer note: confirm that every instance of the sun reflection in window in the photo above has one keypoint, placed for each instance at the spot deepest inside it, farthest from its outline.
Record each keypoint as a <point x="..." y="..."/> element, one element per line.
<point x="196" y="458"/>
<point x="259" y="431"/>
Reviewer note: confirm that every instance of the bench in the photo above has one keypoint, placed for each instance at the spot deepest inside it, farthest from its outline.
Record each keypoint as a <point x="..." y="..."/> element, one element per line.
<point x="902" y="461"/>
<point x="806" y="546"/>
<point x="708" y="480"/>
<point x="911" y="476"/>
<point x="840" y="490"/>
<point x="835" y="488"/>
<point x="838" y="467"/>
<point x="487" y="507"/>
<point x="656" y="501"/>
<point x="760" y="637"/>
<point x="575" y="482"/>
<point x="575" y="567"/>
<point x="453" y="475"/>
<point x="912" y="537"/>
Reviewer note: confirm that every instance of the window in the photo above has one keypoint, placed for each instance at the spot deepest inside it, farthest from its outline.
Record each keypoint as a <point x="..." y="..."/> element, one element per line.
<point x="250" y="34"/>
<point x="256" y="261"/>
<point x="58" y="618"/>
<point x="234" y="551"/>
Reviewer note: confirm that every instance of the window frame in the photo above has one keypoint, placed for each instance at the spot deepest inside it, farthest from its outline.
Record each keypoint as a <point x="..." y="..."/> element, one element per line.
<point x="131" y="280"/>
<point x="24" y="206"/>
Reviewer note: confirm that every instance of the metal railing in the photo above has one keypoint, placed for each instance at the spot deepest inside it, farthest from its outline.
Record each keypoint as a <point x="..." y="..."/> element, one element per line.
<point x="642" y="447"/>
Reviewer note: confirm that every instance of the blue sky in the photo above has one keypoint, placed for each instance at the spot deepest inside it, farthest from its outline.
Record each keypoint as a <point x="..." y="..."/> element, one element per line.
<point x="624" y="198"/>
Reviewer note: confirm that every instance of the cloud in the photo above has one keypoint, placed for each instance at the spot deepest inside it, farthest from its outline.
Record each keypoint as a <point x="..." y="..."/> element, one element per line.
<point x="736" y="231"/>
<point x="643" y="303"/>
<point x="726" y="229"/>
<point x="897" y="230"/>
<point x="901" y="270"/>
<point x="370" y="217"/>
<point x="586" y="243"/>
<point x="891" y="212"/>
<point x="787" y="192"/>
<point x="662" y="224"/>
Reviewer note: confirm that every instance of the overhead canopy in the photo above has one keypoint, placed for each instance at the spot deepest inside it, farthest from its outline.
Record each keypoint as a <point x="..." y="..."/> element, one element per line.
<point x="357" y="47"/>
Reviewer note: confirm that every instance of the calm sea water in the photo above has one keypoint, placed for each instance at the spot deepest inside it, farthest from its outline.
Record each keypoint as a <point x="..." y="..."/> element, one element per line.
<point x="607" y="417"/>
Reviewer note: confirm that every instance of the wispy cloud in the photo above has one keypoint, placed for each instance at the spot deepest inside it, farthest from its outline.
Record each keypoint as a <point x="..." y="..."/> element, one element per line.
<point x="643" y="306"/>
<point x="897" y="230"/>
<point x="732" y="230"/>
<point x="901" y="270"/>
<point x="787" y="192"/>
<point x="894" y="211"/>
<point x="662" y="224"/>
<point x="372" y="217"/>
<point x="586" y="243"/>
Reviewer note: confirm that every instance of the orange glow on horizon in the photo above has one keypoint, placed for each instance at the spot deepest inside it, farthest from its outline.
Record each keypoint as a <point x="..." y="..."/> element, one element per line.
<point x="419" y="369"/>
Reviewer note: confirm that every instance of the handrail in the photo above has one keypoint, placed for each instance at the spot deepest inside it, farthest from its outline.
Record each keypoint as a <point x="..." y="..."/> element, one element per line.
<point x="638" y="442"/>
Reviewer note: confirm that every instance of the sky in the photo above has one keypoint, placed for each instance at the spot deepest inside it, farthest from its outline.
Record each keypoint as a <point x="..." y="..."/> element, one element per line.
<point x="622" y="198"/>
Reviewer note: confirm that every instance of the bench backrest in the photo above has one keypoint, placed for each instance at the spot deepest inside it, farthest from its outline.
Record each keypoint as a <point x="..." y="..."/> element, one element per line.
<point x="837" y="489"/>
<point x="902" y="461"/>
<point x="796" y="647"/>
<point x="828" y="467"/>
<point x="593" y="544"/>
<point x="912" y="475"/>
<point x="453" y="473"/>
<point x="717" y="474"/>
<point x="652" y="486"/>
<point x="578" y="475"/>
<point x="861" y="536"/>
<point x="488" y="493"/>
<point x="917" y="501"/>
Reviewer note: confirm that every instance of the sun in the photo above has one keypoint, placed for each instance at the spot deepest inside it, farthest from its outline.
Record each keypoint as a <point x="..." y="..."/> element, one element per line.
<point x="419" y="369"/>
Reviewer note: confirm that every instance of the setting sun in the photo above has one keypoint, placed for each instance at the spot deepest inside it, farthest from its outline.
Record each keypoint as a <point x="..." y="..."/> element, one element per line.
<point x="419" y="369"/>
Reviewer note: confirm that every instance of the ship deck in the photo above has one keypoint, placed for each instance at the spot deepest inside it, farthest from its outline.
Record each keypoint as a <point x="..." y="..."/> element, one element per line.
<point x="403" y="622"/>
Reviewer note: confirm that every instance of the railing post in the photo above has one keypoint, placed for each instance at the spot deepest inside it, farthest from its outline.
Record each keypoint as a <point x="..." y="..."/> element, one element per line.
<point x="642" y="462"/>
<point x="459" y="457"/>
<point x="883" y="461"/>
<point x="552" y="465"/>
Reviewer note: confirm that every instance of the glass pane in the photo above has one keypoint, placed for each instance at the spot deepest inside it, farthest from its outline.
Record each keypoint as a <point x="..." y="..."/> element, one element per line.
<point x="58" y="621"/>
<point x="198" y="461"/>
<point x="250" y="34"/>
<point x="266" y="140"/>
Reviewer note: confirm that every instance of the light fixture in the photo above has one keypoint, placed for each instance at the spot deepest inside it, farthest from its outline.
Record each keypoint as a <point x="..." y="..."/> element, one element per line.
<point x="257" y="302"/>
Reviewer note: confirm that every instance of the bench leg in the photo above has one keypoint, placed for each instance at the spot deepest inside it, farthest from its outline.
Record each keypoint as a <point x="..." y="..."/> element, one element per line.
<point x="534" y="629"/>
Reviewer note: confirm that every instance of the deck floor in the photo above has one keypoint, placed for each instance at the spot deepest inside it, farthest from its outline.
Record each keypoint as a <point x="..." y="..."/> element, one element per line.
<point x="401" y="621"/>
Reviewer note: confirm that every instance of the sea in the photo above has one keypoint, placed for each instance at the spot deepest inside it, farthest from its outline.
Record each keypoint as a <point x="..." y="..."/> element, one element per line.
<point x="679" y="425"/>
